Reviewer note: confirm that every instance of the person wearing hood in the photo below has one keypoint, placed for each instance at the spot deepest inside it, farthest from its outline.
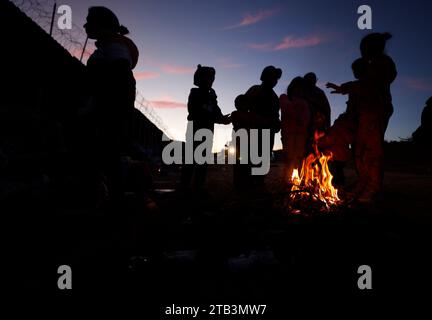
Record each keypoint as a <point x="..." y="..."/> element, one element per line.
<point x="111" y="86"/>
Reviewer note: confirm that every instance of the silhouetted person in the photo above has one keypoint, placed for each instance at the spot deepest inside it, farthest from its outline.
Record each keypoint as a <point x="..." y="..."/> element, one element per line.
<point x="318" y="102"/>
<point x="112" y="89"/>
<point x="241" y="119"/>
<point x="295" y="123"/>
<point x="265" y="104"/>
<point x="381" y="70"/>
<point x="204" y="112"/>
<point x="343" y="133"/>
<point x="374" y="111"/>
<point x="423" y="134"/>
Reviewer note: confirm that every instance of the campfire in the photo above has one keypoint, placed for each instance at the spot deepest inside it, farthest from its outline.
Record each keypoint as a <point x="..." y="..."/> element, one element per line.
<point x="312" y="190"/>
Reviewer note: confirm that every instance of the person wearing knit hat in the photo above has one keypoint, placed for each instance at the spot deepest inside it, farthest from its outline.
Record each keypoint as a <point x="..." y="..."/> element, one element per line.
<point x="203" y="113"/>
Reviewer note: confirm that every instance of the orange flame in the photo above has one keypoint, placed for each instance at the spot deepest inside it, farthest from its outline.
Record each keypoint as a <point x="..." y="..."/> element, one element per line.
<point x="315" y="179"/>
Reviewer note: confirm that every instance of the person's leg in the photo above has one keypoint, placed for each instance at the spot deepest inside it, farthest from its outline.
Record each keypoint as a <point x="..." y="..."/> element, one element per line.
<point x="257" y="145"/>
<point x="337" y="170"/>
<point x="360" y="143"/>
<point x="112" y="168"/>
<point x="340" y="136"/>
<point x="289" y="157"/>
<point x="240" y="170"/>
<point x="201" y="169"/>
<point x="369" y="155"/>
<point x="373" y="159"/>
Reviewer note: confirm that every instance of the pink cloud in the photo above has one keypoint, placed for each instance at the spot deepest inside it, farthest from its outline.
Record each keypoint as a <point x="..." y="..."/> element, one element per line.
<point x="418" y="84"/>
<point x="167" y="104"/>
<point x="227" y="63"/>
<point x="144" y="75"/>
<point x="173" y="69"/>
<point x="250" y="19"/>
<point x="289" y="42"/>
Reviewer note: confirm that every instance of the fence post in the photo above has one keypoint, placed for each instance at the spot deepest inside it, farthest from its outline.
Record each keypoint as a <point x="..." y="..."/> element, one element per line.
<point x="52" y="17"/>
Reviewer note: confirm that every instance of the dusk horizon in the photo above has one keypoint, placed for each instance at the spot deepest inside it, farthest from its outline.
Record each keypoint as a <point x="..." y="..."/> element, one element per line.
<point x="239" y="39"/>
<point x="211" y="159"/>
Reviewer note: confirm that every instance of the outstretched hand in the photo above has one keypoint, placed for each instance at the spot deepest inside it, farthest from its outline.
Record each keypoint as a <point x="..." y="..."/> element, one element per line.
<point x="335" y="87"/>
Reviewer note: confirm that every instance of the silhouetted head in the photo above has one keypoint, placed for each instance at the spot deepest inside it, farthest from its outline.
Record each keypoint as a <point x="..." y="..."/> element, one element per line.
<point x="270" y="76"/>
<point x="296" y="88"/>
<point x="310" y="79"/>
<point x="374" y="44"/>
<point x="429" y="101"/>
<point x="102" y="22"/>
<point x="360" y="68"/>
<point x="204" y="77"/>
<point x="241" y="102"/>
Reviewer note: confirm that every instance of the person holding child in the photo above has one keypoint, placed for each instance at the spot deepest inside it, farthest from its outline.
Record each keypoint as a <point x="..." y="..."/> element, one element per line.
<point x="370" y="98"/>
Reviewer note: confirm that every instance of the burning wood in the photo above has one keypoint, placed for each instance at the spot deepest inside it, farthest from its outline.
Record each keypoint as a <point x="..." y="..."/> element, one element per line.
<point x="312" y="190"/>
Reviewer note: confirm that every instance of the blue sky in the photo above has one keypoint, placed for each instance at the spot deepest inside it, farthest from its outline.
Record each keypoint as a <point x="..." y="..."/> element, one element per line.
<point x="239" y="38"/>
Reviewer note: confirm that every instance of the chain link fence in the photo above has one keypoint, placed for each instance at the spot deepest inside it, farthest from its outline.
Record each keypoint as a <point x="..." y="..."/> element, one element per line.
<point x="73" y="40"/>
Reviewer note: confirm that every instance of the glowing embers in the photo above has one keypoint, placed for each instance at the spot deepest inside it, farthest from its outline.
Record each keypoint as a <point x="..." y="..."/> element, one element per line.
<point x="312" y="191"/>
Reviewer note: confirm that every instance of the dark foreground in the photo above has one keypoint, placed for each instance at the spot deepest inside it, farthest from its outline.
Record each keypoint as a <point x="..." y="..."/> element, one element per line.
<point x="230" y="249"/>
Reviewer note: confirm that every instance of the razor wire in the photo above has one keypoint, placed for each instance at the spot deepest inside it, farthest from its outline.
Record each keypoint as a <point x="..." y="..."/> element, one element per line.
<point x="40" y="11"/>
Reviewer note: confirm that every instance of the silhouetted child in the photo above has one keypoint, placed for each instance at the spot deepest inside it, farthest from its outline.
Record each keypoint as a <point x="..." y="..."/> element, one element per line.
<point x="296" y="120"/>
<point x="342" y="134"/>
<point x="204" y="112"/>
<point x="241" y="120"/>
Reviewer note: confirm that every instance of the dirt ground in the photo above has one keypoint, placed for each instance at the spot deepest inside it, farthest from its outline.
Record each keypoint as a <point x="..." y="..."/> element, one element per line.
<point x="233" y="248"/>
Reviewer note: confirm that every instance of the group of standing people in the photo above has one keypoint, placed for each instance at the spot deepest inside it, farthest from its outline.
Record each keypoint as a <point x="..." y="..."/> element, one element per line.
<point x="306" y="119"/>
<point x="257" y="109"/>
<point x="358" y="132"/>
<point x="304" y="108"/>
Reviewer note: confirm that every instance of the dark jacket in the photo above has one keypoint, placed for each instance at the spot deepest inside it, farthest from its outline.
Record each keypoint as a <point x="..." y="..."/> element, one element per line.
<point x="318" y="102"/>
<point x="203" y="108"/>
<point x="112" y="89"/>
<point x="264" y="102"/>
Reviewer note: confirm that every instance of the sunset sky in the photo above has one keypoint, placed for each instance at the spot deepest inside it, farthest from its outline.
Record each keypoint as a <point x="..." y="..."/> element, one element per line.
<point x="239" y="38"/>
